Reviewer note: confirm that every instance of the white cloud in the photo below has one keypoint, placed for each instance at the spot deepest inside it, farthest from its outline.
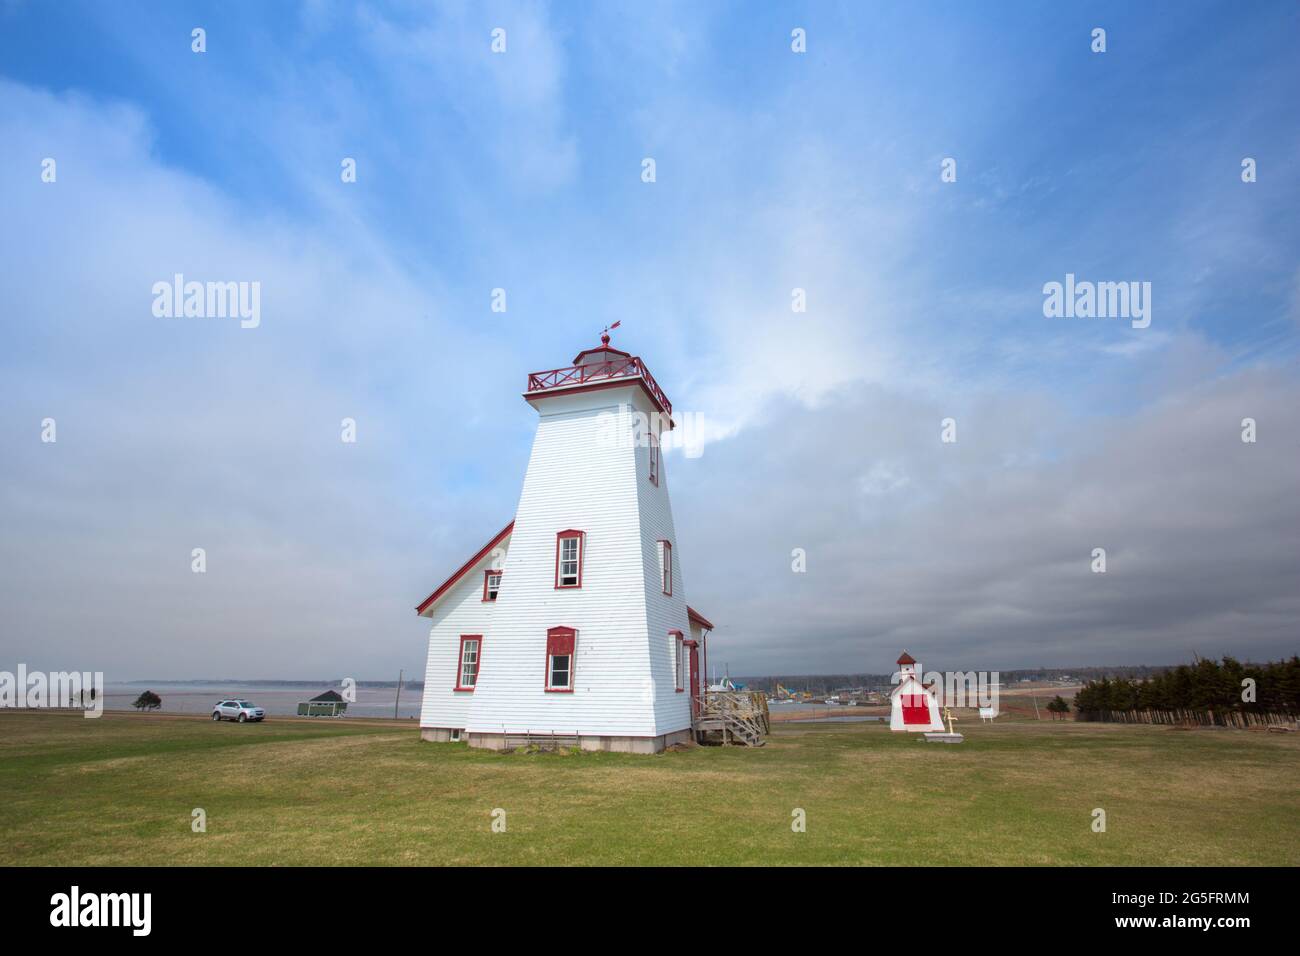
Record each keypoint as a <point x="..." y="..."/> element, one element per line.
<point x="183" y="433"/>
<point x="974" y="564"/>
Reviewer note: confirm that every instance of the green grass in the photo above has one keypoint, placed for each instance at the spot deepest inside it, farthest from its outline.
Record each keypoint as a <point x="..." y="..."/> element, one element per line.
<point x="120" y="790"/>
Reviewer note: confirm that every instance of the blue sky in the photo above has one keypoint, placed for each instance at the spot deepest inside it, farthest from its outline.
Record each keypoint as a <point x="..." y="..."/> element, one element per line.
<point x="775" y="170"/>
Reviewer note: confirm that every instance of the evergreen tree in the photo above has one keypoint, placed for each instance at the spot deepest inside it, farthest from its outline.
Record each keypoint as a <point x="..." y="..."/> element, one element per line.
<point x="1205" y="686"/>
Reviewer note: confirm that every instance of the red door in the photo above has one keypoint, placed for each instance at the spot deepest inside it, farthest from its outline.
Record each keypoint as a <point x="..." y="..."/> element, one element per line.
<point x="916" y="709"/>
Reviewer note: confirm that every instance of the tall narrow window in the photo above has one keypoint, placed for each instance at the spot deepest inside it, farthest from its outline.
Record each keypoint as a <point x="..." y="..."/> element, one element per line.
<point x="561" y="645"/>
<point x="568" y="559"/>
<point x="491" y="584"/>
<point x="666" y="566"/>
<point x="654" y="456"/>
<point x="679" y="657"/>
<point x="467" y="666"/>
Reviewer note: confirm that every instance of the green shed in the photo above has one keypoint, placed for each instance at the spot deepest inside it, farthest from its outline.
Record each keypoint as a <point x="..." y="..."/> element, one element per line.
<point x="328" y="704"/>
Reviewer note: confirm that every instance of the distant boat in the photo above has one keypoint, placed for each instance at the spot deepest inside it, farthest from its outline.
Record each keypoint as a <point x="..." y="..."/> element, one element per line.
<point x="726" y="684"/>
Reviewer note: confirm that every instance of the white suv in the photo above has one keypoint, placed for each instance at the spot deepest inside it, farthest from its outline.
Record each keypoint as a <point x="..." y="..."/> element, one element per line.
<point x="238" y="710"/>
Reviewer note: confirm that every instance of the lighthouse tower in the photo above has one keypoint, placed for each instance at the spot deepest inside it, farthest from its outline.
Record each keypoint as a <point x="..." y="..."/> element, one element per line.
<point x="914" y="706"/>
<point x="581" y="630"/>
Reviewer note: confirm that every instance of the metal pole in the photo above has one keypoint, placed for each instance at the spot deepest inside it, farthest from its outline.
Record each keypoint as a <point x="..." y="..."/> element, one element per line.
<point x="398" y="699"/>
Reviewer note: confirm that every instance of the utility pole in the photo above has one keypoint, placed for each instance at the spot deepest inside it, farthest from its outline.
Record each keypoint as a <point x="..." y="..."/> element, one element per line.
<point x="398" y="699"/>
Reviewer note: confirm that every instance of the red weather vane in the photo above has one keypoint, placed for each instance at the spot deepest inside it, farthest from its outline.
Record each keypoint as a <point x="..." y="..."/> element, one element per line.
<point x="604" y="335"/>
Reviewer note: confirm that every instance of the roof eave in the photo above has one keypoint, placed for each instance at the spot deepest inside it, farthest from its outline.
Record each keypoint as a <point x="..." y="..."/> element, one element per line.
<point x="696" y="617"/>
<point x="465" y="568"/>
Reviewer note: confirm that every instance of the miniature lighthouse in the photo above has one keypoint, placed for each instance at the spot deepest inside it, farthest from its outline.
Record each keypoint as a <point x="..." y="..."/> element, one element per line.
<point x="914" y="706"/>
<point x="577" y="627"/>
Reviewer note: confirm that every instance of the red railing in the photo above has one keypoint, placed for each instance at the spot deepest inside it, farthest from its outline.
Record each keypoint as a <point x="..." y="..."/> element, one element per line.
<point x="599" y="371"/>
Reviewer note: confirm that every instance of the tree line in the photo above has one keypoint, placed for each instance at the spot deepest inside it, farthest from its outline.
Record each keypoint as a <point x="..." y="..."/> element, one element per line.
<point x="829" y="683"/>
<point x="1204" y="686"/>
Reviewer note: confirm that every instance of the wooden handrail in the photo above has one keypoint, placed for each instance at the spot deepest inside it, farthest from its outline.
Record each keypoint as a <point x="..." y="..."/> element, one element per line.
<point x="598" y="371"/>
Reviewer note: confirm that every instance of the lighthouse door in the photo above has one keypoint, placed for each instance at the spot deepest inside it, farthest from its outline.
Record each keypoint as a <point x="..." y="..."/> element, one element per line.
<point x="916" y="709"/>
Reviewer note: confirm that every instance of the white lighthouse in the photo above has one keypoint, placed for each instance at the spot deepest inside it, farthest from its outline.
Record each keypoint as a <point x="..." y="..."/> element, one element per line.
<point x="914" y="706"/>
<point x="571" y="623"/>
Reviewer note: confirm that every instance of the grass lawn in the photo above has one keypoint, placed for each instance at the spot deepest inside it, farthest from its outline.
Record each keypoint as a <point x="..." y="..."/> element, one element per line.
<point x="120" y="790"/>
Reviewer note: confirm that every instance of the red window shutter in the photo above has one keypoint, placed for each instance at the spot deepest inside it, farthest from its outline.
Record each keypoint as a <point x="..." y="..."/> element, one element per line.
<point x="559" y="640"/>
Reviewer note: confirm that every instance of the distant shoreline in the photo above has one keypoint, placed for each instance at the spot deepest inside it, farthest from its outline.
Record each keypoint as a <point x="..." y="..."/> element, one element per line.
<point x="235" y="682"/>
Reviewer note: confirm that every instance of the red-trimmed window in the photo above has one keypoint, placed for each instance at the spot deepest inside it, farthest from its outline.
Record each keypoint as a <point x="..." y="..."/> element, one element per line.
<point x="569" y="546"/>
<point x="654" y="456"/>
<point x="679" y="660"/>
<point x="491" y="584"/>
<point x="561" y="650"/>
<point x="666" y="566"/>
<point x="467" y="663"/>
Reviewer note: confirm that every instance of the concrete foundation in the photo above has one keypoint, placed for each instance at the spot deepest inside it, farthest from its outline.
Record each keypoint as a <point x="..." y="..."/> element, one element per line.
<point x="611" y="744"/>
<point x="441" y="735"/>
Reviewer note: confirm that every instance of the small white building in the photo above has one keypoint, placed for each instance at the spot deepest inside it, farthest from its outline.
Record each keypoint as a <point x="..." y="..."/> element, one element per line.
<point x="914" y="706"/>
<point x="571" y="623"/>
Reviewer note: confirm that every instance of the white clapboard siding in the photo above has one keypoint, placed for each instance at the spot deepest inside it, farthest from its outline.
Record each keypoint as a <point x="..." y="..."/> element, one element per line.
<point x="664" y="613"/>
<point x="584" y="473"/>
<point x="461" y="610"/>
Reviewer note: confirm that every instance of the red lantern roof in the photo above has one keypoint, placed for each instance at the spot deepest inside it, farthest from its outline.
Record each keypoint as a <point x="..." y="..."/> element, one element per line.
<point x="906" y="659"/>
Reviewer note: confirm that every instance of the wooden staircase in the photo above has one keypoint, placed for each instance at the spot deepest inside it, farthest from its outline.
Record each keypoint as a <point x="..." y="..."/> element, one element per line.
<point x="732" y="717"/>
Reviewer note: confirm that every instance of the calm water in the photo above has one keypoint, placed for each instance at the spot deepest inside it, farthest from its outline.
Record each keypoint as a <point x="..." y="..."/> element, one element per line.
<point x="822" y="712"/>
<point x="276" y="701"/>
